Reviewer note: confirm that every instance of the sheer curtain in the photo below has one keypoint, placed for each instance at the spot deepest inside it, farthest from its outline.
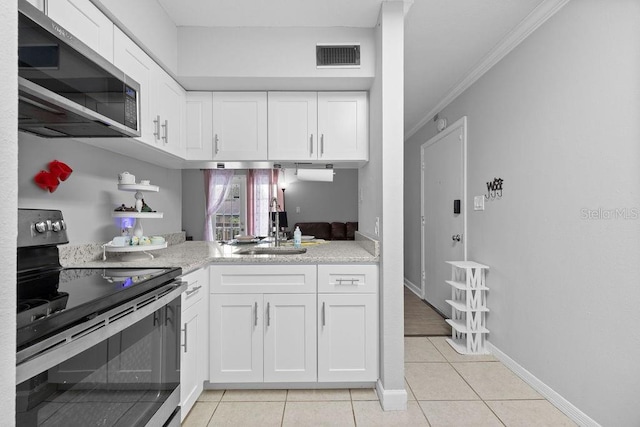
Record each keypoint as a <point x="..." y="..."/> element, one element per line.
<point x="262" y="186"/>
<point x="217" y="183"/>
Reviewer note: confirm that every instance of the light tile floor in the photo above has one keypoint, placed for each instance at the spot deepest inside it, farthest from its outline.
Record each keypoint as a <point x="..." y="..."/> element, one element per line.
<point x="444" y="389"/>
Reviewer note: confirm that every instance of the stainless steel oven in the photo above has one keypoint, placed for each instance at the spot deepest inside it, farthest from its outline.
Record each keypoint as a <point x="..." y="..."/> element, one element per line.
<point x="94" y="346"/>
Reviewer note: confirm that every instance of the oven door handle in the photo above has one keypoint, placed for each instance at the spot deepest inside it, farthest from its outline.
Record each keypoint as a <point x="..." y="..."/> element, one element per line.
<point x="70" y="342"/>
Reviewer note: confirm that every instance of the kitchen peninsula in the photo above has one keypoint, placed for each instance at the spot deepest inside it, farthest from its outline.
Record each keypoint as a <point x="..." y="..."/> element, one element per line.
<point x="268" y="321"/>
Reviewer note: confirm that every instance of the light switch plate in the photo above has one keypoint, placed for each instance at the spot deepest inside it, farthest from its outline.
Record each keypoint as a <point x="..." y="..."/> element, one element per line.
<point x="478" y="203"/>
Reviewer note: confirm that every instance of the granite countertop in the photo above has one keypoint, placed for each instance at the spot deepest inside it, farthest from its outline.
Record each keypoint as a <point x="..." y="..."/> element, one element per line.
<point x="192" y="255"/>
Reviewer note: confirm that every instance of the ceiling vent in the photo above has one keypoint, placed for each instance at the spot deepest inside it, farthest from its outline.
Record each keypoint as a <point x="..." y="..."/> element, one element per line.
<point x="341" y="56"/>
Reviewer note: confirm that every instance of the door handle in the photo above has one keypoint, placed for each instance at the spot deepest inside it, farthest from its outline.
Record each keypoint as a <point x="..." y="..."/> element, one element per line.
<point x="215" y="144"/>
<point x="322" y="145"/>
<point x="324" y="319"/>
<point x="311" y="145"/>
<point x="156" y="132"/>
<point x="165" y="126"/>
<point x="456" y="238"/>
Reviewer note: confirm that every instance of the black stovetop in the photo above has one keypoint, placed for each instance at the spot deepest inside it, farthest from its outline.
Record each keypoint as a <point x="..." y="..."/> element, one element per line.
<point x="53" y="299"/>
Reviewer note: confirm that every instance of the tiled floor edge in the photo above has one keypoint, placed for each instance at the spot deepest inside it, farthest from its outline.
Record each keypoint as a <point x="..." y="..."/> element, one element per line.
<point x="391" y="400"/>
<point x="547" y="392"/>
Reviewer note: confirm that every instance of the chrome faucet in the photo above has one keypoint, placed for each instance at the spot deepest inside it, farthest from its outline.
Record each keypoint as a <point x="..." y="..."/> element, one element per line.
<point x="275" y="221"/>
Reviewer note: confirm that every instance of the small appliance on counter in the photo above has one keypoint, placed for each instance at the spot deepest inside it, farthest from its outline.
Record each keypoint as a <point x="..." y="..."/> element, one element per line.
<point x="93" y="336"/>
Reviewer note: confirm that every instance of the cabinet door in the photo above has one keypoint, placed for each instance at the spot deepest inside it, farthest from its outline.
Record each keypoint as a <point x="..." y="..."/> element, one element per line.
<point x="347" y="337"/>
<point x="290" y="338"/>
<point x="293" y="126"/>
<point x="343" y="126"/>
<point x="140" y="67"/>
<point x="240" y="126"/>
<point x="171" y="105"/>
<point x="199" y="126"/>
<point x="236" y="338"/>
<point x="38" y="4"/>
<point x="86" y="23"/>
<point x="191" y="384"/>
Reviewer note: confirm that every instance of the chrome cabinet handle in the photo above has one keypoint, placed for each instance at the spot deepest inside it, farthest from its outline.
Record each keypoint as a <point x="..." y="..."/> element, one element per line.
<point x="268" y="314"/>
<point x="351" y="281"/>
<point x="186" y="325"/>
<point x="322" y="145"/>
<point x="165" y="126"/>
<point x="156" y="132"/>
<point x="323" y="315"/>
<point x="194" y="290"/>
<point x="255" y="320"/>
<point x="215" y="151"/>
<point x="311" y="145"/>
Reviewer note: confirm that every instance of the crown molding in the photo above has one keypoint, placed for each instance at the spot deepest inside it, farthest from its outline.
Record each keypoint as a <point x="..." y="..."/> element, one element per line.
<point x="528" y="25"/>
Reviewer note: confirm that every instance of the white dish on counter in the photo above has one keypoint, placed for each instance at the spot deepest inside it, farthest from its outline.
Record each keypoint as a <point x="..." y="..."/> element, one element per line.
<point x="307" y="238"/>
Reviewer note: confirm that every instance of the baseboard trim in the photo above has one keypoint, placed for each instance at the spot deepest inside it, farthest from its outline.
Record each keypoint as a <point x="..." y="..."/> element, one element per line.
<point x="391" y="400"/>
<point x="413" y="288"/>
<point x="552" y="396"/>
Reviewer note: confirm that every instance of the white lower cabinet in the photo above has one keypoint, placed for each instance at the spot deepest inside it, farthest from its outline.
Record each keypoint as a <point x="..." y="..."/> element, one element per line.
<point x="290" y="338"/>
<point x="347" y="337"/>
<point x="263" y="338"/>
<point x="293" y="323"/>
<point x="194" y="350"/>
<point x="347" y="322"/>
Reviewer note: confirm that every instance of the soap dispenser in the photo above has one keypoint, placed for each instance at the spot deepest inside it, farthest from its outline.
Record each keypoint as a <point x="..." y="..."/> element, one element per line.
<point x="297" y="237"/>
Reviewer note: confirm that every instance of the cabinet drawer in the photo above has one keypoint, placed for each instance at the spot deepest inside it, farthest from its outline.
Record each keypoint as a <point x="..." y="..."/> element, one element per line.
<point x="348" y="278"/>
<point x="241" y="279"/>
<point x="197" y="287"/>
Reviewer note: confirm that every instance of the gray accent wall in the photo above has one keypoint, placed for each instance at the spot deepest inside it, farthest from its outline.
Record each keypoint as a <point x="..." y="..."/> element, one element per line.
<point x="323" y="201"/>
<point x="91" y="193"/>
<point x="559" y="120"/>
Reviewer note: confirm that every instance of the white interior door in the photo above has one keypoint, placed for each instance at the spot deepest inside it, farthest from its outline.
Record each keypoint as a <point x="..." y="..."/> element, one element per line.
<point x="443" y="230"/>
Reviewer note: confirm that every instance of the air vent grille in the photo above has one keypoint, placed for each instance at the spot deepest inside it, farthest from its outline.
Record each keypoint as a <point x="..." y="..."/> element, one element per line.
<point x="338" y="56"/>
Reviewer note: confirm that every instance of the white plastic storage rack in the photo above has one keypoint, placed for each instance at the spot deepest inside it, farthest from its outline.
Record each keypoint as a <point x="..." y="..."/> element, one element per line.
<point x="468" y="307"/>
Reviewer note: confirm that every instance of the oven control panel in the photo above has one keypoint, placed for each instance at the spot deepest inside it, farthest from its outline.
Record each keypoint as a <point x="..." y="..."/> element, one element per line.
<point x="41" y="227"/>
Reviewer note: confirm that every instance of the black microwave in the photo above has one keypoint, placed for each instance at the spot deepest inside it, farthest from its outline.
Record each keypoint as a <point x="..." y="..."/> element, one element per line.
<point x="65" y="88"/>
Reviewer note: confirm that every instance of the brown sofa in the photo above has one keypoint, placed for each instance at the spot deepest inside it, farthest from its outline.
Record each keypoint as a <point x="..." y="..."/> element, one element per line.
<point x="328" y="230"/>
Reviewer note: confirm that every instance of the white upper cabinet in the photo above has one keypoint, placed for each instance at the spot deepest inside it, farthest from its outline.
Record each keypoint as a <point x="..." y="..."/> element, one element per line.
<point x="85" y="22"/>
<point x="140" y="67"/>
<point x="171" y="106"/>
<point x="293" y="126"/>
<point x="343" y="126"/>
<point x="162" y="99"/>
<point x="320" y="126"/>
<point x="240" y="126"/>
<point x="199" y="126"/>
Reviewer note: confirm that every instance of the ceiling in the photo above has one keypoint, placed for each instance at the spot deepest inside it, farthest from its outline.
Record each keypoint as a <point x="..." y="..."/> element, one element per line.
<point x="445" y="40"/>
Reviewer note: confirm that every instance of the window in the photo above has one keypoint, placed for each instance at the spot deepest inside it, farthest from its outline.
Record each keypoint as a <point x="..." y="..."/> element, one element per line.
<point x="231" y="217"/>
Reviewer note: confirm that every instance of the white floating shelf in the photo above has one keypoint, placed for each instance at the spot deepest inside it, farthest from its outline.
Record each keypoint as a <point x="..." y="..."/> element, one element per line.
<point x="460" y="326"/>
<point x="138" y="187"/>
<point x="462" y="306"/>
<point x="141" y="215"/>
<point x="134" y="248"/>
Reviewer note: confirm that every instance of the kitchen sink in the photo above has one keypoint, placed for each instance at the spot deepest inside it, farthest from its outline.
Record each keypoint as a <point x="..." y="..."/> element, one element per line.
<point x="271" y="250"/>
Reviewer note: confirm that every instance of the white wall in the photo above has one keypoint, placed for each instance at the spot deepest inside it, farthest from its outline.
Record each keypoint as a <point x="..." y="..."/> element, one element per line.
<point x="381" y="195"/>
<point x="558" y="120"/>
<point x="8" y="212"/>
<point x="251" y="58"/>
<point x="146" y="22"/>
<point x="90" y="194"/>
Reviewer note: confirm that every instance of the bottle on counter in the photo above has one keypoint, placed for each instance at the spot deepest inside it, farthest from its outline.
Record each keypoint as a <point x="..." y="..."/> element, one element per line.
<point x="297" y="238"/>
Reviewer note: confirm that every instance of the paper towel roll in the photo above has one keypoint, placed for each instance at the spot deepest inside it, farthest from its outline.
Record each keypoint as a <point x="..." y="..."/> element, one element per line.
<point x="325" y="175"/>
